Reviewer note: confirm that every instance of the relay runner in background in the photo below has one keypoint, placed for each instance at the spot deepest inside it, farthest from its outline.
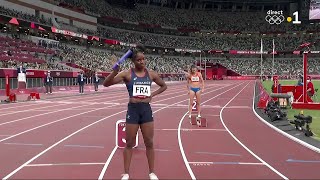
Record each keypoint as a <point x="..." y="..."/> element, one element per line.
<point x="139" y="114"/>
<point x="195" y="82"/>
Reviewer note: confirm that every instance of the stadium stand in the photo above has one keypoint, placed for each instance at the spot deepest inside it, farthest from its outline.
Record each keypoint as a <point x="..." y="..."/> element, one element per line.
<point x="215" y="34"/>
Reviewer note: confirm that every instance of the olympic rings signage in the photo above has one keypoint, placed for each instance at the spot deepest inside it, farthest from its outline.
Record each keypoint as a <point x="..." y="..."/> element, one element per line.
<point x="275" y="17"/>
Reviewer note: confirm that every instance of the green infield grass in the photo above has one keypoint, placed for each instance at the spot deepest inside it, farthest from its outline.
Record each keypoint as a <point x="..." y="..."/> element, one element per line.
<point x="315" y="125"/>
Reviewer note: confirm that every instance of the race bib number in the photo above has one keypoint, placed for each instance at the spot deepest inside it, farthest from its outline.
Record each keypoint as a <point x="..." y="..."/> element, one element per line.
<point x="195" y="78"/>
<point x="141" y="90"/>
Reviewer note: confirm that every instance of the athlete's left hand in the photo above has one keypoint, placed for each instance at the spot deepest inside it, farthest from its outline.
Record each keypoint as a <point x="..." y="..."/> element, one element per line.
<point x="202" y="90"/>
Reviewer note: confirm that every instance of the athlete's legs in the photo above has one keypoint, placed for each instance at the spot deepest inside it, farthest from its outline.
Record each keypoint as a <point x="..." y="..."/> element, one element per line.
<point x="147" y="133"/>
<point x="198" y="97"/>
<point x="191" y="96"/>
<point x="131" y="132"/>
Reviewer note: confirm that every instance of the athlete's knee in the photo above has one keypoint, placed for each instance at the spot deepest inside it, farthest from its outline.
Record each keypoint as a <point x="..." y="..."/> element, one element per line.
<point x="148" y="143"/>
<point x="130" y="143"/>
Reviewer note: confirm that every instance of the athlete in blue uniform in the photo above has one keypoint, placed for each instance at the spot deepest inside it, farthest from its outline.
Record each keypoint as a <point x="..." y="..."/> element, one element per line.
<point x="139" y="114"/>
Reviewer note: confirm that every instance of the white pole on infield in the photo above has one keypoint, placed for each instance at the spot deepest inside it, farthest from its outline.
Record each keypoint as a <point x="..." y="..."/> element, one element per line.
<point x="200" y="60"/>
<point x="205" y="68"/>
<point x="273" y="49"/>
<point x="261" y="51"/>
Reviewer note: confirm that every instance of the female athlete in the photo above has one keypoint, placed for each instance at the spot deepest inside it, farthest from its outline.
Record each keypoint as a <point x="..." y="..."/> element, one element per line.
<point x="139" y="114"/>
<point x="195" y="81"/>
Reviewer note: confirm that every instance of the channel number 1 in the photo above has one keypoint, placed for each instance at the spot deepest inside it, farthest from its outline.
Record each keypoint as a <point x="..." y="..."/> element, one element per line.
<point x="296" y="18"/>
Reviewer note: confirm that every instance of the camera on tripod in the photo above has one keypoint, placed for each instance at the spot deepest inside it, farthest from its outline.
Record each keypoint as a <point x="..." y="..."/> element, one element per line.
<point x="274" y="112"/>
<point x="300" y="121"/>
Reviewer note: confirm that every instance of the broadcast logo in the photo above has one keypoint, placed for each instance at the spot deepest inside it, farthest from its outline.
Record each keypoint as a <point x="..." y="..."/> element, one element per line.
<point x="275" y="17"/>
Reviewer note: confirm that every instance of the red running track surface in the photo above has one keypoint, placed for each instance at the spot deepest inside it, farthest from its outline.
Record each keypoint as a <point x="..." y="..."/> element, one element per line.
<point x="74" y="138"/>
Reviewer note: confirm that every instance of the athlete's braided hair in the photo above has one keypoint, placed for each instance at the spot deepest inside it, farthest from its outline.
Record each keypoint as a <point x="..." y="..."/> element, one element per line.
<point x="136" y="50"/>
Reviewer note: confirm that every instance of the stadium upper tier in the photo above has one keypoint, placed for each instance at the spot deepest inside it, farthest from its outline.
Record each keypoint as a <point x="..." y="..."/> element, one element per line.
<point x="228" y="21"/>
<point x="177" y="18"/>
<point x="101" y="60"/>
<point x="186" y="18"/>
<point x="29" y="53"/>
<point x="207" y="42"/>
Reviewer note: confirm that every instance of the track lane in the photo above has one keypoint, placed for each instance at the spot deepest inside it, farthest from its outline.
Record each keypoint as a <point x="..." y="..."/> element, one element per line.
<point x="19" y="116"/>
<point x="167" y="152"/>
<point x="81" y="156"/>
<point x="62" y="112"/>
<point x="274" y="148"/>
<point x="214" y="153"/>
<point x="53" y="128"/>
<point x="115" y="91"/>
<point x="50" y="102"/>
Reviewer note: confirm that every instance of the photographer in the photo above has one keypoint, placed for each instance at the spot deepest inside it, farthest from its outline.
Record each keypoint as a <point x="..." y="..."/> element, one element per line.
<point x="48" y="81"/>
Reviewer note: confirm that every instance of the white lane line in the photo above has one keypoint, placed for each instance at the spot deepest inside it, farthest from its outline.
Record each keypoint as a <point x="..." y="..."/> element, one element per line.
<point x="23" y="144"/>
<point x="183" y="129"/>
<point x="179" y="134"/>
<point x="103" y="171"/>
<point x="227" y="163"/>
<point x="83" y="146"/>
<point x="244" y="146"/>
<point x="63" y="164"/>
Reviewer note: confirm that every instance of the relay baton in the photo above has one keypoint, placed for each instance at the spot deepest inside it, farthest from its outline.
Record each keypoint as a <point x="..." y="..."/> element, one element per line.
<point x="122" y="59"/>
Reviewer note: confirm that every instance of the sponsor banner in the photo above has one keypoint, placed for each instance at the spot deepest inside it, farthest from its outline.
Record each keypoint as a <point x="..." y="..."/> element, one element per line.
<point x="127" y="44"/>
<point x="240" y="77"/>
<point x="131" y="22"/>
<point x="111" y="41"/>
<point x="247" y="52"/>
<point x="69" y="33"/>
<point x="311" y="52"/>
<point x="168" y="27"/>
<point x="187" y="50"/>
<point x="314" y="52"/>
<point x="296" y="52"/>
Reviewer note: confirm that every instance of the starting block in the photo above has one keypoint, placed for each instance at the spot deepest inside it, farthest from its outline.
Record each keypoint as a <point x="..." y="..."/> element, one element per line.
<point x="121" y="134"/>
<point x="200" y="122"/>
<point x="33" y="96"/>
<point x="193" y="120"/>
